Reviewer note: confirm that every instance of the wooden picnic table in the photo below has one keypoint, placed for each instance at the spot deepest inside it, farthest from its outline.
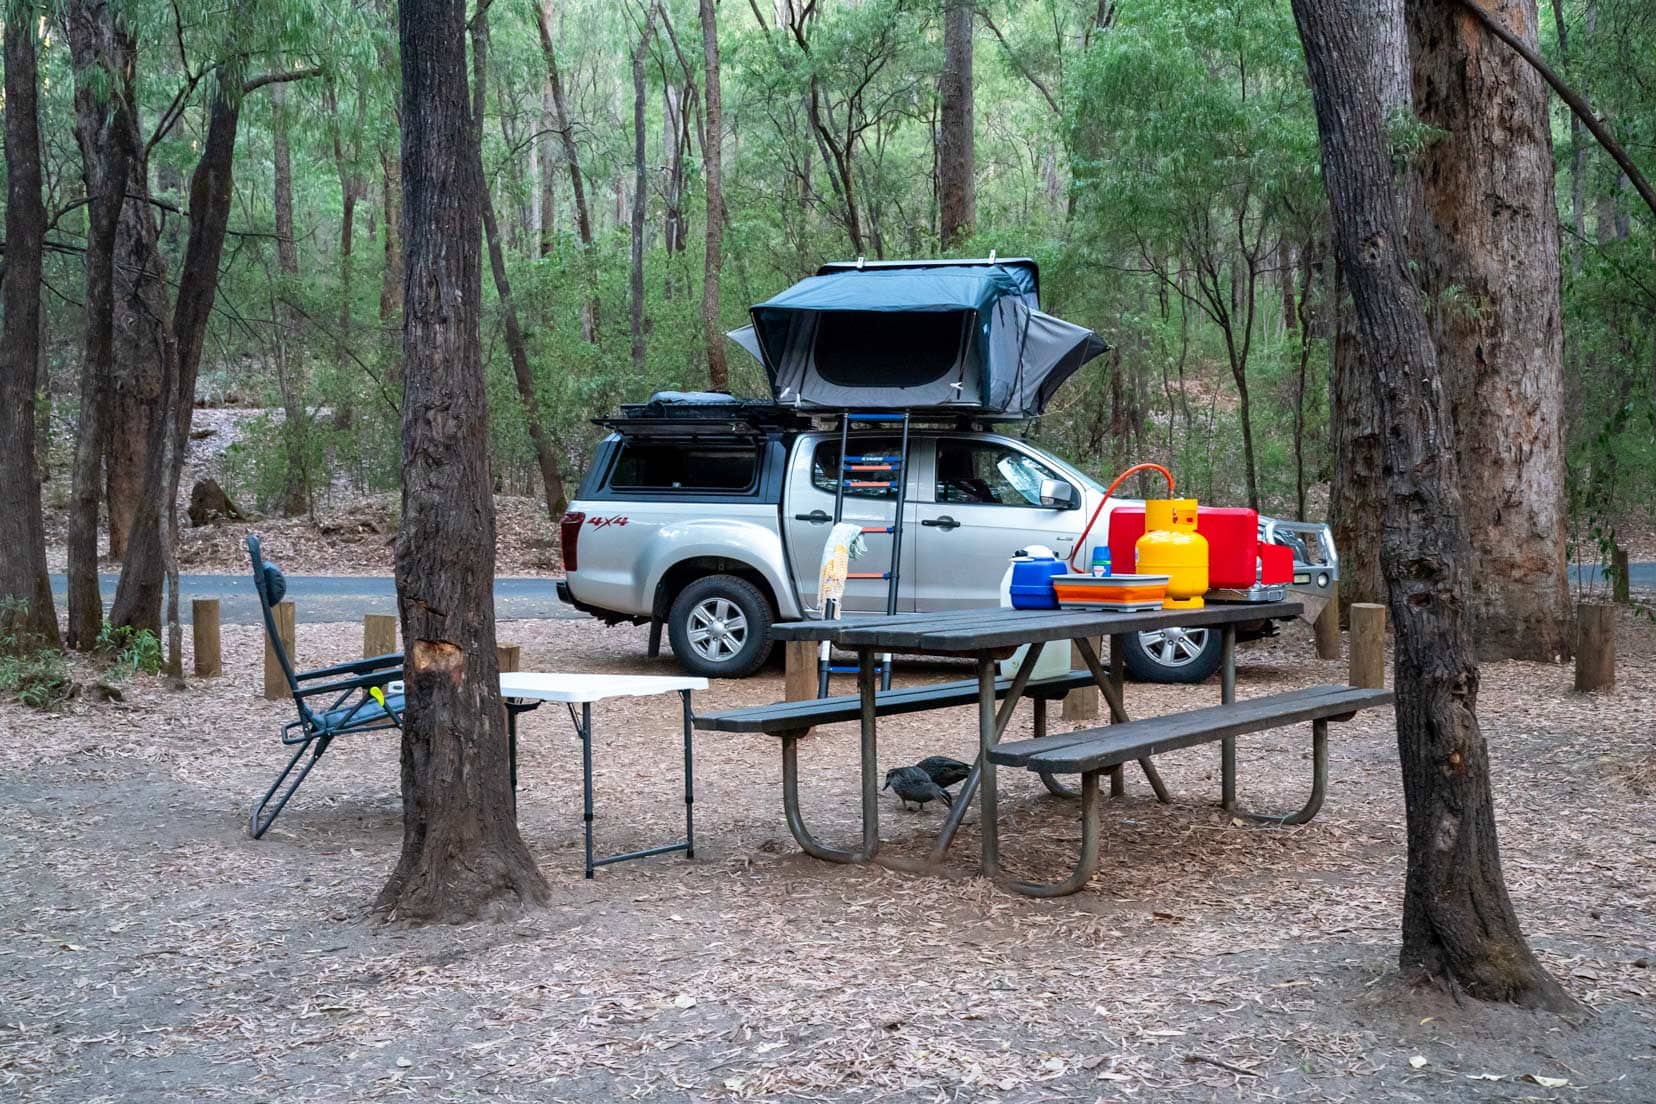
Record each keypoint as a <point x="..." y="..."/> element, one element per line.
<point x="984" y="635"/>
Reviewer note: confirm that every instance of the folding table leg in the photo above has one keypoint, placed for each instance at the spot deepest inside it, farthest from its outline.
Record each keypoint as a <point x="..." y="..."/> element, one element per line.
<point x="586" y="780"/>
<point x="689" y="779"/>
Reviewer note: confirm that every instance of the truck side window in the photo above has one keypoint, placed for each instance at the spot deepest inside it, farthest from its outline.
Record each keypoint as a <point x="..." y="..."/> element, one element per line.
<point x="825" y="466"/>
<point x="722" y="467"/>
<point x="988" y="473"/>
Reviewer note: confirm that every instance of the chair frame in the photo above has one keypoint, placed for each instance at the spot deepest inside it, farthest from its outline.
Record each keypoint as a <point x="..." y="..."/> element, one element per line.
<point x="312" y="732"/>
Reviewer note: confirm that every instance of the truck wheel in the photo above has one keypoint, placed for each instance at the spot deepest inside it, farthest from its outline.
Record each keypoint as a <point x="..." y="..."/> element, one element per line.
<point x="1173" y="655"/>
<point x="720" y="627"/>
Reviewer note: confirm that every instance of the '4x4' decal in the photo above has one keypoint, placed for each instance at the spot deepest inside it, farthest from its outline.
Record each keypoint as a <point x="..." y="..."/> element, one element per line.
<point x="603" y="522"/>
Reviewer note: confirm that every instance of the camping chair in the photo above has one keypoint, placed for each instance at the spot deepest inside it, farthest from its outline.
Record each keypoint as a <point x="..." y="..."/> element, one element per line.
<point x="352" y="698"/>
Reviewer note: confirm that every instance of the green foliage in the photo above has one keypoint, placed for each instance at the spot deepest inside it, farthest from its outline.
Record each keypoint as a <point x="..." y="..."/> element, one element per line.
<point x="37" y="677"/>
<point x="128" y="651"/>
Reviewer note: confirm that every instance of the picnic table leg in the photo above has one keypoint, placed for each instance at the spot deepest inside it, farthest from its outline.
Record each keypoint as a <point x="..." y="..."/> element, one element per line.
<point x="1227" y="695"/>
<point x="1118" y="679"/>
<point x="1319" y="783"/>
<point x="1088" y="861"/>
<point x="1118" y="715"/>
<point x="989" y="812"/>
<point x="957" y="812"/>
<point x="866" y="687"/>
<point x="689" y="778"/>
<point x="790" y="806"/>
<point x="1048" y="779"/>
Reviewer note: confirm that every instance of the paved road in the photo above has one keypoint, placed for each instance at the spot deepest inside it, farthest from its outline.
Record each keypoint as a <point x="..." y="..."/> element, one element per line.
<point x="348" y="597"/>
<point x="339" y="597"/>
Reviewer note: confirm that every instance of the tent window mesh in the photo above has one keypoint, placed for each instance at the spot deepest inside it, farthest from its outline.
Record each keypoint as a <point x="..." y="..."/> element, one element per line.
<point x="889" y="348"/>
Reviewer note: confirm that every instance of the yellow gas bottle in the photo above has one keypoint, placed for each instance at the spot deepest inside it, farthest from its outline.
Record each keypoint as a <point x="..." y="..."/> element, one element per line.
<point x="1171" y="546"/>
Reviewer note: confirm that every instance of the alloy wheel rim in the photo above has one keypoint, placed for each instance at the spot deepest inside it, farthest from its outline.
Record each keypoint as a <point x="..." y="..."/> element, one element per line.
<point x="1174" y="647"/>
<point x="718" y="629"/>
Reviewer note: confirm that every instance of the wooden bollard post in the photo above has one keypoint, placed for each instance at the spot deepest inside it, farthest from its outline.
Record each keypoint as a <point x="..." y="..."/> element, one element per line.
<point x="1595" y="654"/>
<point x="1622" y="586"/>
<point x="1080" y="704"/>
<point x="509" y="656"/>
<point x="204" y="632"/>
<point x="287" y="622"/>
<point x="1368" y="645"/>
<point x="799" y="667"/>
<point x="379" y="635"/>
<point x="1328" y="626"/>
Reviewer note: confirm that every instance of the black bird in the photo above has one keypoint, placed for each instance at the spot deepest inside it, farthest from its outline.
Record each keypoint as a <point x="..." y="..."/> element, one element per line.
<point x="914" y="784"/>
<point x="943" y="770"/>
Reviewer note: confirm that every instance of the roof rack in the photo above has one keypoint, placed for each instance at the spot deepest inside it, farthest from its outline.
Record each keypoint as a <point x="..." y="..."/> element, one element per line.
<point x="704" y="413"/>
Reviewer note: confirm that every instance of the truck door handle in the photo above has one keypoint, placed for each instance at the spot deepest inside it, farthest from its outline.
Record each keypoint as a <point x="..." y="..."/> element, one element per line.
<point x="944" y="522"/>
<point x="815" y="517"/>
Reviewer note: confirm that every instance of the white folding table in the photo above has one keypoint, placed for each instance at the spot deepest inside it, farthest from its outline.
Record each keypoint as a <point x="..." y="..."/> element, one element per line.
<point x="526" y="690"/>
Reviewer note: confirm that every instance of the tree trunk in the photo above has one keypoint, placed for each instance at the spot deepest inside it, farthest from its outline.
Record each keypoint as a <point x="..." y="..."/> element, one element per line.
<point x="1491" y="271"/>
<point x="1458" y="921"/>
<point x="577" y="186"/>
<point x="23" y="575"/>
<point x="290" y="368"/>
<point x="138" y="397"/>
<point x="957" y="201"/>
<point x="641" y="194"/>
<point x="718" y="370"/>
<point x="461" y="850"/>
<point x="1356" y="493"/>
<point x="100" y="57"/>
<point x="391" y="284"/>
<point x="547" y="159"/>
<point x="546" y="456"/>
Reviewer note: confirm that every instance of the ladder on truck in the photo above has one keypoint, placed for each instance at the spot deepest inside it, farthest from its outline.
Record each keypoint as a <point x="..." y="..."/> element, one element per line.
<point x="861" y="471"/>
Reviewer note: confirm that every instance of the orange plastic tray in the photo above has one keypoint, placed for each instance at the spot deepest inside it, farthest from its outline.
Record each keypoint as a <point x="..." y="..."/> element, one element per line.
<point x="1110" y="590"/>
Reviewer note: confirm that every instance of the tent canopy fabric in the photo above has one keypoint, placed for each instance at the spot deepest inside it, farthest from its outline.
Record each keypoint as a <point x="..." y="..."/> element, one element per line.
<point x="917" y="335"/>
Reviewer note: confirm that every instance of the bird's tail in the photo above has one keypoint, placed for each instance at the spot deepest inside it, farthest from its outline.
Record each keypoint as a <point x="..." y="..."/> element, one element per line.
<point x="948" y="798"/>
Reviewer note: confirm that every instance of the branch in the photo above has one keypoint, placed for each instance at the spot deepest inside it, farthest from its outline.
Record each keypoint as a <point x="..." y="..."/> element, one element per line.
<point x="280" y="78"/>
<point x="1017" y="62"/>
<point x="1577" y="105"/>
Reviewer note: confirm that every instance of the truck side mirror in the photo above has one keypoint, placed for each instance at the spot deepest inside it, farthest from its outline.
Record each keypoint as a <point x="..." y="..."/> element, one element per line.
<point x="1059" y="495"/>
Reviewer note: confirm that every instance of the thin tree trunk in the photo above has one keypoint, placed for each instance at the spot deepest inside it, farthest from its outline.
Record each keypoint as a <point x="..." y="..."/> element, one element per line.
<point x="391" y="284"/>
<point x="1493" y="272"/>
<point x="461" y="851"/>
<point x="546" y="456"/>
<point x="718" y="371"/>
<point x="640" y="194"/>
<point x="957" y="198"/>
<point x="577" y="185"/>
<point x="1458" y="921"/>
<point x="290" y="368"/>
<point x="546" y="157"/>
<point x="23" y="575"/>
<point x="138" y="395"/>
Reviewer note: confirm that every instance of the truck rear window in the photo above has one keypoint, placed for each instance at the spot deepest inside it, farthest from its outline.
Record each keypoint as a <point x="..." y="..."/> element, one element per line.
<point x="725" y="467"/>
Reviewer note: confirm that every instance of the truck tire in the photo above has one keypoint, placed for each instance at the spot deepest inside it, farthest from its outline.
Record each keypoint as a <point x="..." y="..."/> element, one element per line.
<point x="719" y="627"/>
<point x="1174" y="655"/>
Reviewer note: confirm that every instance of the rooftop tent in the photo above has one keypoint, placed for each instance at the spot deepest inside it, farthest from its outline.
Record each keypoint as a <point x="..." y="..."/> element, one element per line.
<point x="916" y="335"/>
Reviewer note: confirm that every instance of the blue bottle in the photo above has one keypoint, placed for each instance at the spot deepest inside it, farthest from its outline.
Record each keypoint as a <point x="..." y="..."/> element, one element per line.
<point x="1101" y="560"/>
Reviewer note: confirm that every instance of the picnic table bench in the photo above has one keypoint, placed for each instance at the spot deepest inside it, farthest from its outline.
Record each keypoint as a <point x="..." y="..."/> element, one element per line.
<point x="987" y="634"/>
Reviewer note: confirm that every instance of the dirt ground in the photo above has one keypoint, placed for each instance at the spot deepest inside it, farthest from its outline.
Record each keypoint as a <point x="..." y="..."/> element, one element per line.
<point x="152" y="952"/>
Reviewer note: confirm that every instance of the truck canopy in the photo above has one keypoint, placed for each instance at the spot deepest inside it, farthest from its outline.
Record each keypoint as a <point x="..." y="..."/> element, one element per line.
<point x="917" y="335"/>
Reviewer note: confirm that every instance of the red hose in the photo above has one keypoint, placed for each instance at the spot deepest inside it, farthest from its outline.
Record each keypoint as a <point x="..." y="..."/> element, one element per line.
<point x="1136" y="468"/>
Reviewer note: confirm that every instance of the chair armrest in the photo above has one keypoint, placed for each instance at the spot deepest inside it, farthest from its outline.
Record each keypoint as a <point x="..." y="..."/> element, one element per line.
<point x="362" y="682"/>
<point x="356" y="667"/>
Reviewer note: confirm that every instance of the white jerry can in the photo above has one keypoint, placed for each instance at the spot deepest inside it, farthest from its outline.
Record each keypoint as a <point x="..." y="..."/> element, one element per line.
<point x="1055" y="657"/>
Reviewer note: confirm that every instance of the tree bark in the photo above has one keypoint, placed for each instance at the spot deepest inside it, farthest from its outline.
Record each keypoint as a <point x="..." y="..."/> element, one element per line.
<point x="718" y="369"/>
<point x="1491" y="272"/>
<point x="100" y="56"/>
<point x="1356" y="492"/>
<point x="547" y="159"/>
<point x="546" y="456"/>
<point x="641" y="195"/>
<point x="461" y="851"/>
<point x="1458" y="922"/>
<point x="22" y="535"/>
<point x="957" y="201"/>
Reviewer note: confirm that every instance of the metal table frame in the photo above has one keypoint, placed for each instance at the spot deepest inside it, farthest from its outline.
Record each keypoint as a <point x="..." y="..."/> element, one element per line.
<point x="524" y="698"/>
<point x="986" y="635"/>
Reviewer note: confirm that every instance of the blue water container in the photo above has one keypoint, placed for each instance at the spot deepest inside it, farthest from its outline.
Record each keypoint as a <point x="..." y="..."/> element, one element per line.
<point x="1032" y="582"/>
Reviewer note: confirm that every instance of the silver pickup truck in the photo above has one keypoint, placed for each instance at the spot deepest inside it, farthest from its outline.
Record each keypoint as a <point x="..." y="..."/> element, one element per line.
<point x="712" y="523"/>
